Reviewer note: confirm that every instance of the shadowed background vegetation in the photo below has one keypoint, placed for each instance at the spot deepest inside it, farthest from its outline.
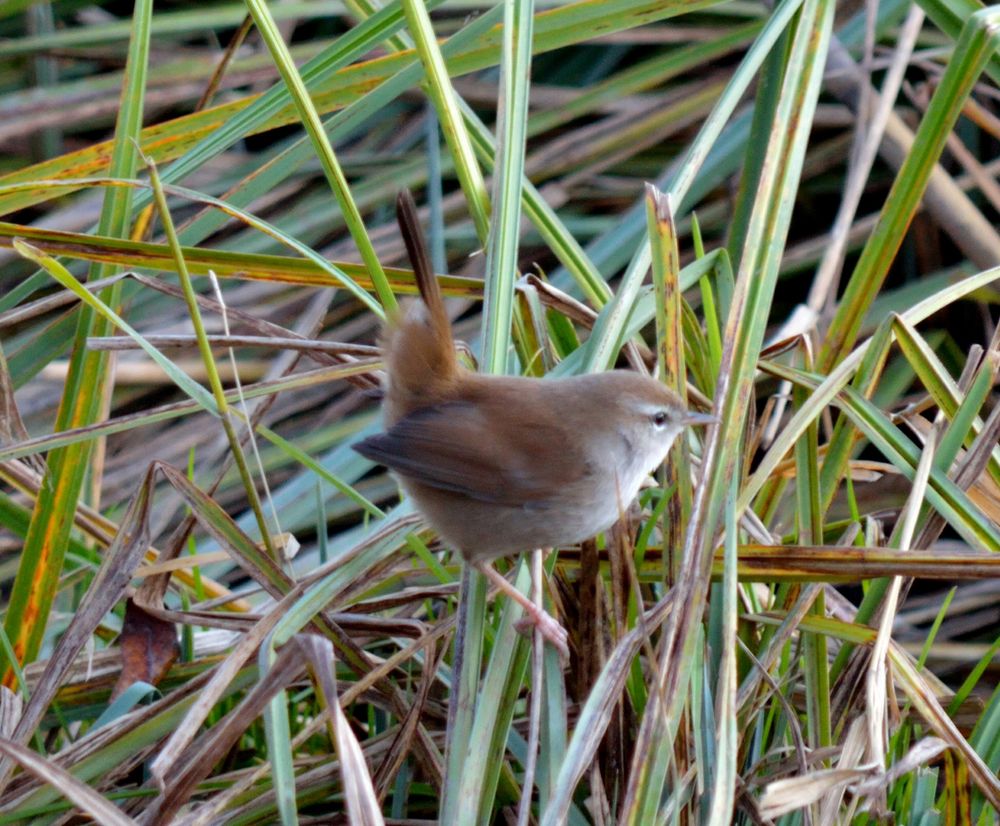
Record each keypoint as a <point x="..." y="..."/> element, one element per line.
<point x="216" y="612"/>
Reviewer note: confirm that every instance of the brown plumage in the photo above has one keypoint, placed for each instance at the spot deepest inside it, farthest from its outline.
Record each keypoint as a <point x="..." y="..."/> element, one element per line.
<point x="417" y="346"/>
<point x="502" y="464"/>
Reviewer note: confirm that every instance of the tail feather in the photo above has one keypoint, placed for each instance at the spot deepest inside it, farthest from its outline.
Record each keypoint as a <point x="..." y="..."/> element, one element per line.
<point x="419" y="349"/>
<point x="430" y="290"/>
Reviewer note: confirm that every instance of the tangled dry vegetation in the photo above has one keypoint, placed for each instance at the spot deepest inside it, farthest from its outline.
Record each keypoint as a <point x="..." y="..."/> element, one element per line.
<point x="217" y="612"/>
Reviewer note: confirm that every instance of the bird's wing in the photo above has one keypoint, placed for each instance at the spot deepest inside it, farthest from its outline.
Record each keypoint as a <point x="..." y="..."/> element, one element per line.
<point x="451" y="446"/>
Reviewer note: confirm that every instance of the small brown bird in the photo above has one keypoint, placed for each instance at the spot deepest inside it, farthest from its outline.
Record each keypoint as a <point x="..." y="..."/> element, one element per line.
<point x="499" y="465"/>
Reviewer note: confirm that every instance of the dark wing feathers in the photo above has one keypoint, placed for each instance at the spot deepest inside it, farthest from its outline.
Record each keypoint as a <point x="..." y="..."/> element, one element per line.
<point x="449" y="447"/>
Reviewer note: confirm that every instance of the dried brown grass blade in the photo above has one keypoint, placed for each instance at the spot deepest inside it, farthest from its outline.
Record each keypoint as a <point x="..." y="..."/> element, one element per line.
<point x="363" y="807"/>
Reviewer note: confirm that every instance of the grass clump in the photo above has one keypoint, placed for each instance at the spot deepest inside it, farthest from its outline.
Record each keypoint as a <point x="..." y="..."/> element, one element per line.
<point x="216" y="612"/>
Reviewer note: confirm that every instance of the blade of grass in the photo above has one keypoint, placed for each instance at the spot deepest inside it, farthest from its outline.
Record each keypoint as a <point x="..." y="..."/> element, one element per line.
<point x="670" y="364"/>
<point x="339" y="277"/>
<point x="324" y="150"/>
<point x="445" y="101"/>
<point x="745" y="328"/>
<point x="195" y="391"/>
<point x="48" y="535"/>
<point x="975" y="47"/>
<point x="205" y="349"/>
<point x="724" y="789"/>
<point x="505" y="228"/>
<point x="839" y="377"/>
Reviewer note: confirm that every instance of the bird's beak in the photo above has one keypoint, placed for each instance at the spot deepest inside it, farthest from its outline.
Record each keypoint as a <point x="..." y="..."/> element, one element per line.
<point x="694" y="419"/>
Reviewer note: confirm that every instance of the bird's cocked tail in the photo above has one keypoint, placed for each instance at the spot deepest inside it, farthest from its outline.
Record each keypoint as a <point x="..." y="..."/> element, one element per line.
<point x="418" y="345"/>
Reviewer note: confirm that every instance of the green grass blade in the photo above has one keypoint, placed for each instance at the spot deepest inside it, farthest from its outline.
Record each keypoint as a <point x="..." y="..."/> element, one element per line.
<point x="445" y="101"/>
<point x="505" y="228"/>
<point x="324" y="150"/>
<point x="45" y="546"/>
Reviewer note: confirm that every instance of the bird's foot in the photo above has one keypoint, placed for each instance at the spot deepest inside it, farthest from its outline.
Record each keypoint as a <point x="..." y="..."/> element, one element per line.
<point x="548" y="626"/>
<point x="534" y="615"/>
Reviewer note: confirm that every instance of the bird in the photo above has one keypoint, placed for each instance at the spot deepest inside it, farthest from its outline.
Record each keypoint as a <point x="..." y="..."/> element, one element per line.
<point x="498" y="465"/>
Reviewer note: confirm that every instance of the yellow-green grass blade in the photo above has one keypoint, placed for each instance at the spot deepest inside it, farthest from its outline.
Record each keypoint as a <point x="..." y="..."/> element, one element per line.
<point x="670" y="363"/>
<point x="95" y="303"/>
<point x="45" y="546"/>
<point x="123" y="185"/>
<point x="324" y="150"/>
<point x="224" y="263"/>
<point x="208" y="360"/>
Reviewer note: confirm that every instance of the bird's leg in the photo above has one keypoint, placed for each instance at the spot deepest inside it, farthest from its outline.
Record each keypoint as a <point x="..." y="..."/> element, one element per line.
<point x="539" y="617"/>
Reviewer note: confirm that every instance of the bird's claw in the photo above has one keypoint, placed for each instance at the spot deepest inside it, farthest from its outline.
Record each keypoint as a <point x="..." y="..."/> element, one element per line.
<point x="550" y="629"/>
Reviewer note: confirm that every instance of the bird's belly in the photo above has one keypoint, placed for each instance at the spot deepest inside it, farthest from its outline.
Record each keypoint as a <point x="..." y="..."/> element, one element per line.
<point x="484" y="530"/>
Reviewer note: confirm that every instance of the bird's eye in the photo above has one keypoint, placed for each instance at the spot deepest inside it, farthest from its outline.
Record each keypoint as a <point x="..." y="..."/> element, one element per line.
<point x="660" y="418"/>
